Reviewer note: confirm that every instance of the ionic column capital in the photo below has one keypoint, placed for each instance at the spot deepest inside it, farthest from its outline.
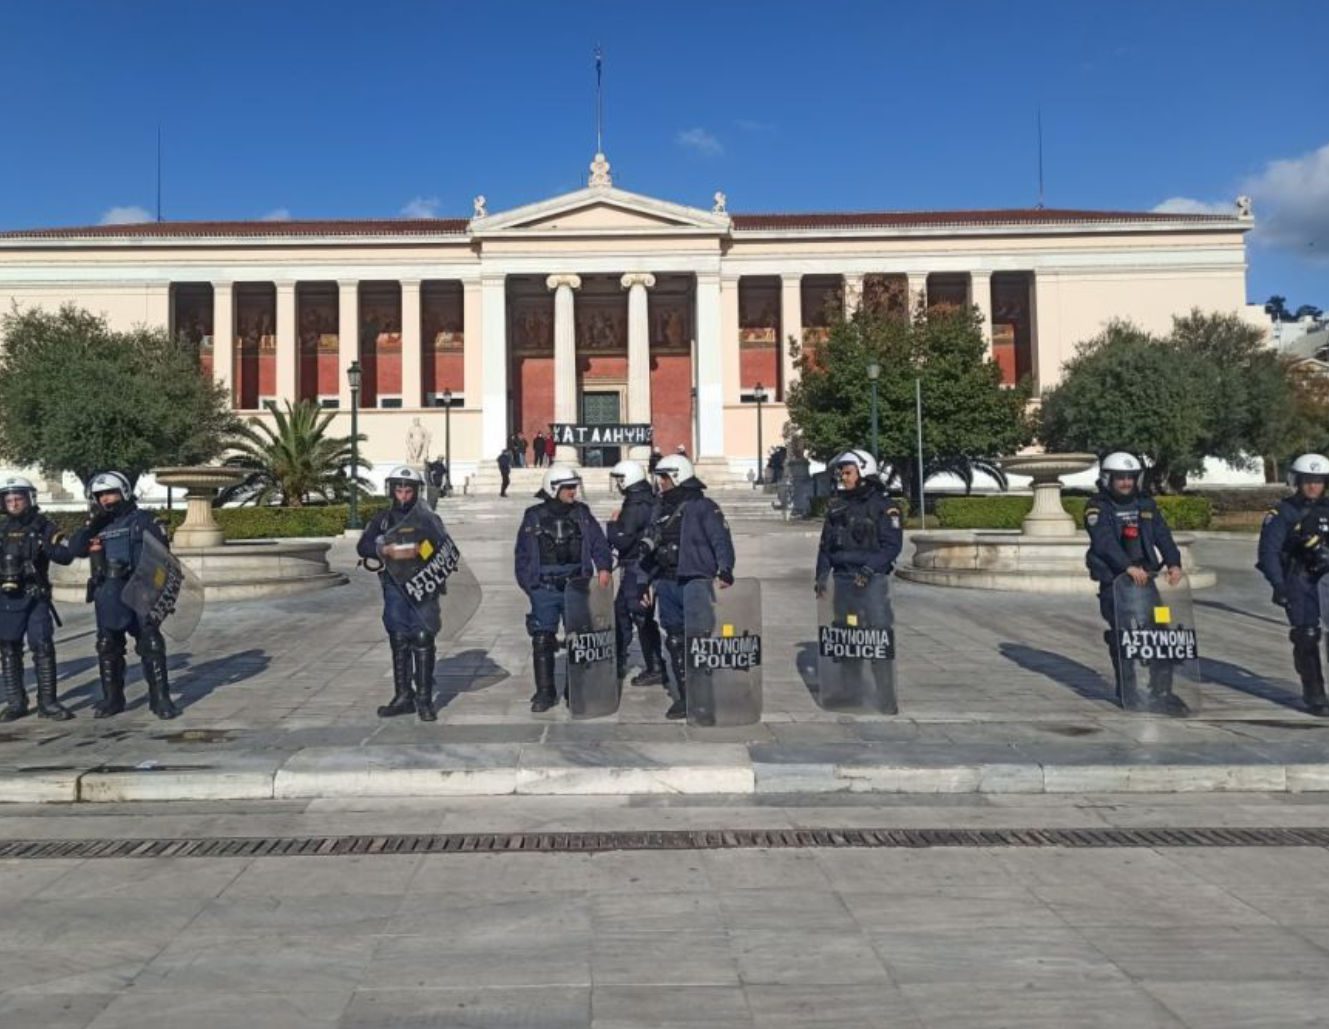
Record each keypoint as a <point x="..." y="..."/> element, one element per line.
<point x="571" y="281"/>
<point x="637" y="279"/>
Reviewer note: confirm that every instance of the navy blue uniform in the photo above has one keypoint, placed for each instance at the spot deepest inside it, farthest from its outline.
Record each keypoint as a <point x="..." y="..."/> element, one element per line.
<point x="626" y="534"/>
<point x="688" y="539"/>
<point x="862" y="534"/>
<point x="28" y="545"/>
<point x="1122" y="534"/>
<point x="400" y="615"/>
<point x="120" y="532"/>
<point x="1292" y="558"/>
<point x="556" y="542"/>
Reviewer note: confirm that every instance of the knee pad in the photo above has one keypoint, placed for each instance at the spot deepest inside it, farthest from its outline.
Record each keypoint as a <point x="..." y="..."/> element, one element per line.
<point x="43" y="648"/>
<point x="1304" y="634"/>
<point x="111" y="643"/>
<point x="422" y="639"/>
<point x="544" y="641"/>
<point x="150" y="643"/>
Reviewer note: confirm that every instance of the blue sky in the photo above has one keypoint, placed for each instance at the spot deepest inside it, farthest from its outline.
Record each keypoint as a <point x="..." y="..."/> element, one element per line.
<point x="327" y="109"/>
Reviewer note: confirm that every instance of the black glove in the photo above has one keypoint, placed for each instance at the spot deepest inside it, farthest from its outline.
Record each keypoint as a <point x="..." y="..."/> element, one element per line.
<point x="99" y="520"/>
<point x="819" y="589"/>
<point x="863" y="576"/>
<point x="1280" y="600"/>
<point x="725" y="576"/>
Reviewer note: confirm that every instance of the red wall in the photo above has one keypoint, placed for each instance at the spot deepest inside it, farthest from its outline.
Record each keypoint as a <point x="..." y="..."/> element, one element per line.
<point x="671" y="400"/>
<point x="760" y="365"/>
<point x="533" y="394"/>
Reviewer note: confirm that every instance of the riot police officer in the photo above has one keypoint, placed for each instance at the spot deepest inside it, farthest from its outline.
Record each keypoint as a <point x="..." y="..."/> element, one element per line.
<point x="29" y="542"/>
<point x="625" y="532"/>
<point x="1129" y="535"/>
<point x="688" y="539"/>
<point x="559" y="539"/>
<point x="1293" y="556"/>
<point x="113" y="539"/>
<point x="410" y="632"/>
<point x="862" y="535"/>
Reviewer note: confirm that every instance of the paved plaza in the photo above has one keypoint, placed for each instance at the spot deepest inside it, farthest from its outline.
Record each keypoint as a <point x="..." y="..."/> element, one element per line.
<point x="999" y="692"/>
<point x="1055" y="938"/>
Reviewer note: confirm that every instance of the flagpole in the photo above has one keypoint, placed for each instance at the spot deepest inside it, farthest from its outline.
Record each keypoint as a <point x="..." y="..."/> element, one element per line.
<point x="599" y="100"/>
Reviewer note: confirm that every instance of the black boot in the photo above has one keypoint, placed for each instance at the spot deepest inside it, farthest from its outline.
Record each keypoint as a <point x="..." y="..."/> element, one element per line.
<point x="43" y="661"/>
<point x="403" y="700"/>
<point x="11" y="679"/>
<point x="543" y="645"/>
<point x="111" y="671"/>
<point x="653" y="674"/>
<point x="1306" y="658"/>
<point x="152" y="650"/>
<point x="679" y="708"/>
<point x="423" y="650"/>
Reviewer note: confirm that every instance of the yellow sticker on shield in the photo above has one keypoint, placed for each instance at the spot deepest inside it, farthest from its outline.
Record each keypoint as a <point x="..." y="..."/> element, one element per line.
<point x="852" y="619"/>
<point x="1162" y="616"/>
<point x="426" y="548"/>
<point x="726" y="630"/>
<point x="159" y="577"/>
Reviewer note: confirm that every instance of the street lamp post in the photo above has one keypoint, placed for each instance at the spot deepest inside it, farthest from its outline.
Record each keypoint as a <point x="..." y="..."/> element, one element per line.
<point x="759" y="395"/>
<point x="447" y="440"/>
<point x="874" y="373"/>
<point x="353" y="378"/>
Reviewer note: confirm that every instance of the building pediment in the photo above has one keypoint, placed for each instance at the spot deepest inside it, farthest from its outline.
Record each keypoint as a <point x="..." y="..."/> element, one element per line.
<point x="601" y="211"/>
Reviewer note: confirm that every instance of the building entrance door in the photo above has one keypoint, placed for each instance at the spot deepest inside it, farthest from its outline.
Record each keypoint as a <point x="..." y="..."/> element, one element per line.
<point x="600" y="408"/>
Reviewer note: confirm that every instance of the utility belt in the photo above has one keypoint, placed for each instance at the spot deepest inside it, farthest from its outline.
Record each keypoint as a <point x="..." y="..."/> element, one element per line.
<point x="556" y="577"/>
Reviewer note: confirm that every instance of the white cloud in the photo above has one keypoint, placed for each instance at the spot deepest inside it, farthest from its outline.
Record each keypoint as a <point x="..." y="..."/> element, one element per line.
<point x="1186" y="205"/>
<point x="1292" y="204"/>
<point x="752" y="125"/>
<point x="421" y="207"/>
<point x="277" y="214"/>
<point x="130" y="214"/>
<point x="701" y="141"/>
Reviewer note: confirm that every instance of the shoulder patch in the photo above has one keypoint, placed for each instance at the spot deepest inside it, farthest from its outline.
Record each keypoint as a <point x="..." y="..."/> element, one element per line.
<point x="1091" y="516"/>
<point x="1270" y="515"/>
<point x="1146" y="512"/>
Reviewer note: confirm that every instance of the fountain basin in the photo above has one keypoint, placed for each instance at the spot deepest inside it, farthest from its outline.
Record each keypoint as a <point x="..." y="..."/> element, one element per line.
<point x="200" y="528"/>
<point x="1009" y="560"/>
<point x="1047" y="518"/>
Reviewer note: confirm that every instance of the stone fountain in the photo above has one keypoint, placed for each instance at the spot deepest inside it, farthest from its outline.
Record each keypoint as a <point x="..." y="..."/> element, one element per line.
<point x="1045" y="556"/>
<point x="241" y="570"/>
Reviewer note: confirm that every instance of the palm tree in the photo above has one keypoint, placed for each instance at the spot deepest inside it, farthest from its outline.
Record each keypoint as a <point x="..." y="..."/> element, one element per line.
<point x="292" y="460"/>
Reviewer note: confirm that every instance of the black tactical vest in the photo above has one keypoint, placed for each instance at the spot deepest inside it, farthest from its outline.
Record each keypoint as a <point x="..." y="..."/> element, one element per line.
<point x="20" y="546"/>
<point x="853" y="526"/>
<point x="559" y="536"/>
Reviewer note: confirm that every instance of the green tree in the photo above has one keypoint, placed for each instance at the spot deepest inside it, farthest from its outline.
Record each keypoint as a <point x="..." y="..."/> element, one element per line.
<point x="1128" y="390"/>
<point x="293" y="460"/>
<point x="969" y="418"/>
<point x="78" y="396"/>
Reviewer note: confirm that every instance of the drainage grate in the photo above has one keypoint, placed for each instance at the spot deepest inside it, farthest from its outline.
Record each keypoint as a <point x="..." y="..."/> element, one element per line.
<point x="673" y="839"/>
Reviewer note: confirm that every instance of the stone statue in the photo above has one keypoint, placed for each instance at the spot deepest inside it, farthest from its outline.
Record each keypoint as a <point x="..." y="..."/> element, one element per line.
<point x="1244" y="209"/>
<point x="479" y="204"/>
<point x="720" y="201"/>
<point x="600" y="172"/>
<point x="417" y="443"/>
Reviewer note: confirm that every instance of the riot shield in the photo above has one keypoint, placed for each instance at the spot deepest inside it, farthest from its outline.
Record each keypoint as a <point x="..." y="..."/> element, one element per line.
<point x="1156" y="650"/>
<point x="722" y="636"/>
<point x="588" y="621"/>
<point x="162" y="591"/>
<point x="425" y="563"/>
<point x="856" y="646"/>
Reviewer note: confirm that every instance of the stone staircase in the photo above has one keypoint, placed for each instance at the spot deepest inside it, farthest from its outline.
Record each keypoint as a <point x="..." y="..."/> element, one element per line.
<point x="485" y="481"/>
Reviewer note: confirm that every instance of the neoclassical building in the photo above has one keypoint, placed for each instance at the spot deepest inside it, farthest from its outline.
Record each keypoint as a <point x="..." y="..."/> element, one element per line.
<point x="603" y="306"/>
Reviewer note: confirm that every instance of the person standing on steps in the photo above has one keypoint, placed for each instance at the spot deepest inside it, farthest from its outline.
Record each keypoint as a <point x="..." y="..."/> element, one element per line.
<point x="29" y="542"/>
<point x="504" y="471"/>
<point x="688" y="539"/>
<point x="559" y="539"/>
<point x="625" y="532"/>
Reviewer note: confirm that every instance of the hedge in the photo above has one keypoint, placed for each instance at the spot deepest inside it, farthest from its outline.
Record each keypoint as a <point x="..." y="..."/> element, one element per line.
<point x="250" y="523"/>
<point x="1008" y="512"/>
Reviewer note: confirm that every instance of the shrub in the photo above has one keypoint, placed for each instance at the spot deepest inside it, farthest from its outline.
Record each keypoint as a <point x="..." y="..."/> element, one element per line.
<point x="251" y="523"/>
<point x="1008" y="512"/>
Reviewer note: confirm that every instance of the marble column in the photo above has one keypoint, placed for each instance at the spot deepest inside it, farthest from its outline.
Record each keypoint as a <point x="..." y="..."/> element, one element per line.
<point x="493" y="367"/>
<point x="980" y="296"/>
<point x="918" y="292"/>
<point x="348" y="337"/>
<point x="411" y="379"/>
<point x="565" y="357"/>
<point x="710" y="371"/>
<point x="791" y="324"/>
<point x="853" y="294"/>
<point x="286" y="350"/>
<point x="1045" y="329"/>
<point x="223" y="338"/>
<point x="639" y="354"/>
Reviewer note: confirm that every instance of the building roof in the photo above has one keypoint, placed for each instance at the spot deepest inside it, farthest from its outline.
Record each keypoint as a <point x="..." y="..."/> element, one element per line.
<point x="806" y="222"/>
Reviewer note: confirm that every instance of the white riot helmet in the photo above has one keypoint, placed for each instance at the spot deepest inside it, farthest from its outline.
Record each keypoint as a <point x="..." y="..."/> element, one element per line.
<point x="625" y="474"/>
<point x="403" y="475"/>
<point x="676" y="468"/>
<point x="18" y="484"/>
<point x="1307" y="465"/>
<point x="109" y="482"/>
<point x="1118" y="463"/>
<point x="860" y="459"/>
<point x="558" y="476"/>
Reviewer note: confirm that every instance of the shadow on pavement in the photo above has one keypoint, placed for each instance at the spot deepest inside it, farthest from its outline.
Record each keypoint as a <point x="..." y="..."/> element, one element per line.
<point x="467" y="671"/>
<point x="1276" y="691"/>
<point x="806" y="662"/>
<point x="1218" y="605"/>
<point x="1081" y="679"/>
